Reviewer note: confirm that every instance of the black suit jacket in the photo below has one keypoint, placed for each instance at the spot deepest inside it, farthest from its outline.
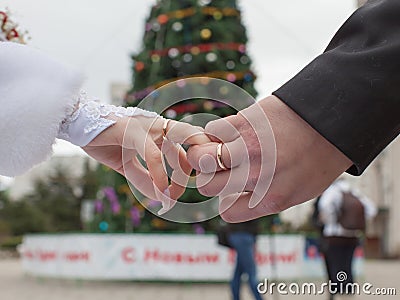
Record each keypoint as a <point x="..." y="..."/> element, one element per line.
<point x="351" y="93"/>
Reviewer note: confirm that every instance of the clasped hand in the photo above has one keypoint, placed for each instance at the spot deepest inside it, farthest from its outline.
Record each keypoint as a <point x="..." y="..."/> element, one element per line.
<point x="260" y="161"/>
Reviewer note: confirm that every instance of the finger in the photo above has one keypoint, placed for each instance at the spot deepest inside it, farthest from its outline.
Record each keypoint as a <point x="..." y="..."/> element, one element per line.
<point x="152" y="155"/>
<point x="124" y="157"/>
<point x="139" y="177"/>
<point x="184" y="133"/>
<point x="204" y="157"/>
<point x="176" y="157"/>
<point x="223" y="130"/>
<point x="234" y="208"/>
<point x="166" y="200"/>
<point x="223" y="183"/>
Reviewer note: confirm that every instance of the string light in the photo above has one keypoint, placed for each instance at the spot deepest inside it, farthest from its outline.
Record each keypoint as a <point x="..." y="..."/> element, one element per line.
<point x="244" y="75"/>
<point x="206" y="47"/>
<point x="215" y="12"/>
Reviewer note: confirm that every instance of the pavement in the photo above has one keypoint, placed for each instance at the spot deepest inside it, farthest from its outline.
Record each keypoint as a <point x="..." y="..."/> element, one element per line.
<point x="15" y="285"/>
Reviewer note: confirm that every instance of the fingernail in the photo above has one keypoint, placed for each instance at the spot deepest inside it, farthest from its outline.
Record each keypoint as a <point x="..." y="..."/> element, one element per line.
<point x="254" y="201"/>
<point x="207" y="164"/>
<point x="202" y="166"/>
<point x="162" y="211"/>
<point x="166" y="206"/>
<point x="167" y="193"/>
<point x="165" y="203"/>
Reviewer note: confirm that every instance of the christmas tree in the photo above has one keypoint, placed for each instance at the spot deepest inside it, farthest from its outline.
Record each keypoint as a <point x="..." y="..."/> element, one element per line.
<point x="182" y="39"/>
<point x="191" y="38"/>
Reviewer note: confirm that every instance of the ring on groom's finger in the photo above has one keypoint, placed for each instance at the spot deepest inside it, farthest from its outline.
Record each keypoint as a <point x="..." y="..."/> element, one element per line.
<point x="164" y="129"/>
<point x="219" y="157"/>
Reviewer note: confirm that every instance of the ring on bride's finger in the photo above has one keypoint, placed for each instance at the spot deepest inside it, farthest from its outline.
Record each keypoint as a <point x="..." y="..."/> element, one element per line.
<point x="164" y="129"/>
<point x="219" y="157"/>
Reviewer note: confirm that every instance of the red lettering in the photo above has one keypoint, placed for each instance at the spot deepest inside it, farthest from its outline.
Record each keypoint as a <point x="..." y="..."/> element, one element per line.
<point x="128" y="255"/>
<point x="28" y="254"/>
<point x="179" y="257"/>
<point x="77" y="256"/>
<point x="214" y="258"/>
<point x="46" y="255"/>
<point x="287" y="258"/>
<point x="151" y="255"/>
<point x="270" y="258"/>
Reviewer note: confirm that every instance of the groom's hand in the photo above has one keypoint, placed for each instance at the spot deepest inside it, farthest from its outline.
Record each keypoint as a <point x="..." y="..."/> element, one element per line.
<point x="252" y="186"/>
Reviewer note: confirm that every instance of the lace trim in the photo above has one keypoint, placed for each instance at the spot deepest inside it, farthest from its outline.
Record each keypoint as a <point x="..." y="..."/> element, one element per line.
<point x="96" y="114"/>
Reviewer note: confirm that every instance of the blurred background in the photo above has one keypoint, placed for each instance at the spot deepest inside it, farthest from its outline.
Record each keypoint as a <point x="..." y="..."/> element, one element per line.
<point x="70" y="208"/>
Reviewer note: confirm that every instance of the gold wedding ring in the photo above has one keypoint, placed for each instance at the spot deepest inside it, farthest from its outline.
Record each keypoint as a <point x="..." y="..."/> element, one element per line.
<point x="219" y="157"/>
<point x="164" y="129"/>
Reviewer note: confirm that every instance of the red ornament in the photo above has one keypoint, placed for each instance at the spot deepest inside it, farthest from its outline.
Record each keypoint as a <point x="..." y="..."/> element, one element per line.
<point x="139" y="66"/>
<point x="162" y="19"/>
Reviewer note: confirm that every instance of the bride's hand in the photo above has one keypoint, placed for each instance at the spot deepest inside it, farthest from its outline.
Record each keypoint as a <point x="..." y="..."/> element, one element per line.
<point x="118" y="146"/>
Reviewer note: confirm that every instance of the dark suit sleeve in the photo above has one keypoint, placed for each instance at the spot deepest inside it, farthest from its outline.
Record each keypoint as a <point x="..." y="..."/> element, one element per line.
<point x="350" y="94"/>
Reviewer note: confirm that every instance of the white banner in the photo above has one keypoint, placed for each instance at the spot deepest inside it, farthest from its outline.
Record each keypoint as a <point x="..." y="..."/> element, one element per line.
<point x="155" y="257"/>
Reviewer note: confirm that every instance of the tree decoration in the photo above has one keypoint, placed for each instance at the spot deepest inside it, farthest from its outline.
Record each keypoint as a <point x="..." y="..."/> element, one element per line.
<point x="139" y="66"/>
<point x="173" y="52"/>
<point x="245" y="59"/>
<point x="218" y="15"/>
<point x="231" y="77"/>
<point x="162" y="19"/>
<point x="208" y="106"/>
<point x="156" y="26"/>
<point x="205" y="34"/>
<point x="211" y="57"/>
<point x="155" y="58"/>
<point x="230" y="64"/>
<point x="187" y="58"/>
<point x="148" y="26"/>
<point x="200" y="48"/>
<point x="204" y="2"/>
<point x="242" y="48"/>
<point x="195" y="50"/>
<point x="176" y="64"/>
<point x="171" y="114"/>
<point x="132" y="97"/>
<point x="177" y="26"/>
<point x="223" y="90"/>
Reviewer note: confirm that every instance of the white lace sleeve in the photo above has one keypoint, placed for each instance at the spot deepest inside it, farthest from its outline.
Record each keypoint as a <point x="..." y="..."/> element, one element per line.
<point x="36" y="92"/>
<point x="90" y="119"/>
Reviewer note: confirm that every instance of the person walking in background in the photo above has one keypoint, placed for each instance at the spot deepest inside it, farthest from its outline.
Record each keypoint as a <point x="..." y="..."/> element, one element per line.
<point x="343" y="213"/>
<point x="242" y="238"/>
